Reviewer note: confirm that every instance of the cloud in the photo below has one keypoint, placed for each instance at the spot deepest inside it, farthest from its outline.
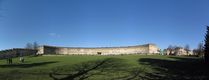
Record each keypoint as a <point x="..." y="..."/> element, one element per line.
<point x="54" y="35"/>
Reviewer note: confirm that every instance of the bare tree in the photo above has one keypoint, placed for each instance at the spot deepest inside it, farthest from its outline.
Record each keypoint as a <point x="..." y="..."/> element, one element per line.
<point x="187" y="48"/>
<point x="195" y="51"/>
<point x="171" y="49"/>
<point x="33" y="45"/>
<point x="200" y="49"/>
<point x="29" y="46"/>
<point x="176" y="50"/>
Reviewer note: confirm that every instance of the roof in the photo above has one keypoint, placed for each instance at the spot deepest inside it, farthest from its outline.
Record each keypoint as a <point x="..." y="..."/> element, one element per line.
<point x="99" y="47"/>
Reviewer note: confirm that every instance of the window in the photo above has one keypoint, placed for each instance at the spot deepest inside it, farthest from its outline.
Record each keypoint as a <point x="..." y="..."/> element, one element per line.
<point x="99" y="53"/>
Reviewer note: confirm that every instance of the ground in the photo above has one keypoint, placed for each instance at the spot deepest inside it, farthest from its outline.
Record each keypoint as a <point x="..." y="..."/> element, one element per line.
<point x="121" y="67"/>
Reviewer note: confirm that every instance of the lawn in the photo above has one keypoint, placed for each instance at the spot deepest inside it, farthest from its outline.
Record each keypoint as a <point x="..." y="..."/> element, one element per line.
<point x="121" y="67"/>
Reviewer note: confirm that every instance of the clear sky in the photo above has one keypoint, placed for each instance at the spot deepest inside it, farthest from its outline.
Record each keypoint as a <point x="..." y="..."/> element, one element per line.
<point x="103" y="23"/>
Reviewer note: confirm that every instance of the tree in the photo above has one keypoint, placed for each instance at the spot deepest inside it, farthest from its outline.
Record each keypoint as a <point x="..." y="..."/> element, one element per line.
<point x="170" y="49"/>
<point x="176" y="50"/>
<point x="195" y="51"/>
<point x="206" y="46"/>
<point x="187" y="49"/>
<point x="29" y="46"/>
<point x="33" y="45"/>
<point x="200" y="49"/>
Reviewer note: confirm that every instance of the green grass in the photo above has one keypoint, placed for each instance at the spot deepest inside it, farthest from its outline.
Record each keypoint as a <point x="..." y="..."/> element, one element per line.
<point x="114" y="67"/>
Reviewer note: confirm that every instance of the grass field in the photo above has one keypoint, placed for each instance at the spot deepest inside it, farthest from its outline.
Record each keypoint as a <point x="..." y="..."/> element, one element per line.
<point x="126" y="67"/>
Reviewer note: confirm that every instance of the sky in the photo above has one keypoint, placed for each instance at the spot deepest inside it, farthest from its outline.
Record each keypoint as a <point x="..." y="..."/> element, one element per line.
<point x="103" y="23"/>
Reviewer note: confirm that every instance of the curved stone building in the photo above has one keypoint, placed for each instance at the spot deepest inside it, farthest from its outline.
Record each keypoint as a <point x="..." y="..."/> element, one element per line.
<point x="139" y="49"/>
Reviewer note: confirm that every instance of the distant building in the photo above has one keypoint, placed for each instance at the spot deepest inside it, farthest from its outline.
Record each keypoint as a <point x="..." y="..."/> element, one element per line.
<point x="176" y="51"/>
<point x="180" y="51"/>
<point x="139" y="49"/>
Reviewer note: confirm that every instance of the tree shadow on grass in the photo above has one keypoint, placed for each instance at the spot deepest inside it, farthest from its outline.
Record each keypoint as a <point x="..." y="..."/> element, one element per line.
<point x="24" y="65"/>
<point x="94" y="68"/>
<point x="180" y="68"/>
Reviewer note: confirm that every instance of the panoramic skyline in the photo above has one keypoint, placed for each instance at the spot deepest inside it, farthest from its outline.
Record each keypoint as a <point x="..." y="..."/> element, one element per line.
<point x="103" y="23"/>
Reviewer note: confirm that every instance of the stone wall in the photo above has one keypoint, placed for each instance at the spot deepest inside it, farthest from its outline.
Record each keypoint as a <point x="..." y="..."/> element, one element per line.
<point x="153" y="49"/>
<point x="140" y="49"/>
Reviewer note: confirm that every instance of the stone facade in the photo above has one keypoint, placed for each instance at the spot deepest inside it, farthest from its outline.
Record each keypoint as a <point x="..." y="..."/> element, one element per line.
<point x="140" y="49"/>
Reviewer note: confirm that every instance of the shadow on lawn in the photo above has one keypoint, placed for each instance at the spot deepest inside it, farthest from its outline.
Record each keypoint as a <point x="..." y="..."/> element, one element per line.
<point x="26" y="65"/>
<point x="180" y="68"/>
<point x="91" y="68"/>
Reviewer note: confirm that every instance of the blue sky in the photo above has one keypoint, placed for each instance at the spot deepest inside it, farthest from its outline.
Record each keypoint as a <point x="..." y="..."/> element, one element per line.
<point x="97" y="23"/>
